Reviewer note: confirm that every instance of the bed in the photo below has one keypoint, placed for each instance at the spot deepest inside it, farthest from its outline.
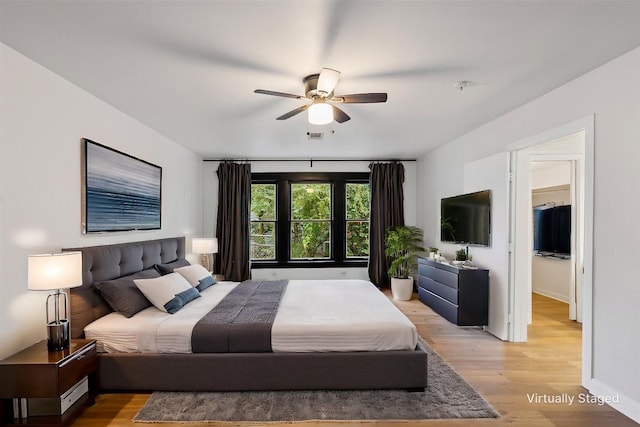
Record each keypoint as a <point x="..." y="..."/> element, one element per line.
<point x="287" y="367"/>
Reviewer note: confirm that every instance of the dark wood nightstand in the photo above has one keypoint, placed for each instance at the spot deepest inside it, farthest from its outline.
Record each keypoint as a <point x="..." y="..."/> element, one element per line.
<point x="51" y="387"/>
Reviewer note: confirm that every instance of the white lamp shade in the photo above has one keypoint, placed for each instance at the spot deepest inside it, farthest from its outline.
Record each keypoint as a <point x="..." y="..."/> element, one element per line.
<point x="328" y="80"/>
<point x="320" y="114"/>
<point x="204" y="245"/>
<point x="55" y="271"/>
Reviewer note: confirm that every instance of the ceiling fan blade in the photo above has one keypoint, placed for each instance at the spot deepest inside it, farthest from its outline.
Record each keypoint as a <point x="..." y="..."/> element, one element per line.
<point x="293" y="113"/>
<point x="270" y="92"/>
<point x="361" y="98"/>
<point x="327" y="81"/>
<point x="339" y="115"/>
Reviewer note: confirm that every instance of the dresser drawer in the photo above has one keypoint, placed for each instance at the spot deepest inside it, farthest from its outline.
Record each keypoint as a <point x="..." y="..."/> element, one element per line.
<point x="446" y="292"/>
<point x="77" y="367"/>
<point x="441" y="306"/>
<point x="439" y="275"/>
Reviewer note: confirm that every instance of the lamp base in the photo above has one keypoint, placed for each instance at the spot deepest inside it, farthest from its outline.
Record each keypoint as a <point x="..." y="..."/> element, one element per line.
<point x="204" y="260"/>
<point x="58" y="335"/>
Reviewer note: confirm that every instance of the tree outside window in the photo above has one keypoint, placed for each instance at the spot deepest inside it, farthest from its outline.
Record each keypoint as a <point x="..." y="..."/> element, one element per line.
<point x="263" y="221"/>
<point x="310" y="221"/>
<point x="357" y="220"/>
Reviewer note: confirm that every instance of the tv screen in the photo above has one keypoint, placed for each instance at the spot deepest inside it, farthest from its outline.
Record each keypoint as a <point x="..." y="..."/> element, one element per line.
<point x="466" y="219"/>
<point x="552" y="230"/>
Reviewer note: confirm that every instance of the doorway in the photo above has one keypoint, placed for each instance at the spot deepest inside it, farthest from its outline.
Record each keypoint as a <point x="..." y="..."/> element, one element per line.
<point x="557" y="224"/>
<point x="572" y="143"/>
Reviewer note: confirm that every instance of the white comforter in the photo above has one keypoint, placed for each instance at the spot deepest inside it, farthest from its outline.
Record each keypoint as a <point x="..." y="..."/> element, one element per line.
<point x="314" y="316"/>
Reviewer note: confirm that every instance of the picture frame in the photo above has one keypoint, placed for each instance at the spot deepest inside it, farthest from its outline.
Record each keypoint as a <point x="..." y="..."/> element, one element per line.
<point x="120" y="192"/>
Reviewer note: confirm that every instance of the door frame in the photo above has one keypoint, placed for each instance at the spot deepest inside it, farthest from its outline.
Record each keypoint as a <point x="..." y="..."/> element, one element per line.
<point x="519" y="293"/>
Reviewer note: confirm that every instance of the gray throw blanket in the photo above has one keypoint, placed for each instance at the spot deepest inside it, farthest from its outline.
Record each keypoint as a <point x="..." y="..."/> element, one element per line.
<point x="241" y="322"/>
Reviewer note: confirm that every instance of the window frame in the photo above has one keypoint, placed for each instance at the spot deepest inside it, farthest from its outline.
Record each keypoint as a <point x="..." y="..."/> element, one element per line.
<point x="338" y="181"/>
<point x="330" y="220"/>
<point x="354" y="220"/>
<point x="270" y="221"/>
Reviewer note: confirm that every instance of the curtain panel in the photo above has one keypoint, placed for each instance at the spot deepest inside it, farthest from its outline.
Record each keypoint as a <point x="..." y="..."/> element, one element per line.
<point x="387" y="210"/>
<point x="232" y="227"/>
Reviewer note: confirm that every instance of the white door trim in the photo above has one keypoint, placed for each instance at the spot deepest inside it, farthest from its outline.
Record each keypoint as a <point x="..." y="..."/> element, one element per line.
<point x="518" y="295"/>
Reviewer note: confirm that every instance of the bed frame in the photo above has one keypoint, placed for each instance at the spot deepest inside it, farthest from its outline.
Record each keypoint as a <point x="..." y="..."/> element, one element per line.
<point x="223" y="371"/>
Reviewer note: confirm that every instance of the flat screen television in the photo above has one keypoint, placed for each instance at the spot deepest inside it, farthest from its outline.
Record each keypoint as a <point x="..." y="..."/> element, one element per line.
<point x="552" y="230"/>
<point x="466" y="219"/>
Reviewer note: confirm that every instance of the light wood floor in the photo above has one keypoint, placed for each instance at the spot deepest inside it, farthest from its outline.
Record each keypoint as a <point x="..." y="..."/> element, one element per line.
<point x="504" y="373"/>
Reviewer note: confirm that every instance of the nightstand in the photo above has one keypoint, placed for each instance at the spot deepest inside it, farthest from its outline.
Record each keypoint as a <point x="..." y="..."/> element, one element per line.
<point x="40" y="387"/>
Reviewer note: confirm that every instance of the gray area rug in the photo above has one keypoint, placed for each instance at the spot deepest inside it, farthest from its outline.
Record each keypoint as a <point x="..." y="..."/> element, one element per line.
<point x="447" y="396"/>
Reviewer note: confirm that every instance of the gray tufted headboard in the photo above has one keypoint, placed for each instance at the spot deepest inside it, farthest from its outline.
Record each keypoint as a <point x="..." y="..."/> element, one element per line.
<point x="110" y="262"/>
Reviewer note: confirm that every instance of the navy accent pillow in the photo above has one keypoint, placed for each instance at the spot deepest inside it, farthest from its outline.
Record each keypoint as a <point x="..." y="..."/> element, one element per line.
<point x="181" y="299"/>
<point x="168" y="267"/>
<point x="205" y="282"/>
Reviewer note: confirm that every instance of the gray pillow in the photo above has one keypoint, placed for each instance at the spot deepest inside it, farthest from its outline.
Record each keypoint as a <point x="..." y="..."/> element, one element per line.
<point x="123" y="295"/>
<point x="168" y="267"/>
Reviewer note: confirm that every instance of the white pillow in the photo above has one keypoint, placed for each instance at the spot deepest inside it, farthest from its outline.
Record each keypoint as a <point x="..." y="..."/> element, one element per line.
<point x="161" y="290"/>
<point x="193" y="273"/>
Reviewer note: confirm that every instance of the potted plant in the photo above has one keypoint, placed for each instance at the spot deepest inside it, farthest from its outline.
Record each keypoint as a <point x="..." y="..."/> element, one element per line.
<point x="461" y="257"/>
<point x="403" y="244"/>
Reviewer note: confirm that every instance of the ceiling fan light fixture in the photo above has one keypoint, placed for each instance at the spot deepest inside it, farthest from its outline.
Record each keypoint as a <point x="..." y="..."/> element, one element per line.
<point x="320" y="113"/>
<point x="327" y="81"/>
<point x="319" y="91"/>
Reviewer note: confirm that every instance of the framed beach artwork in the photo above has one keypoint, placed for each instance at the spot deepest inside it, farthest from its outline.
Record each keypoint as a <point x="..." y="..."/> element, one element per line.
<point x="119" y="192"/>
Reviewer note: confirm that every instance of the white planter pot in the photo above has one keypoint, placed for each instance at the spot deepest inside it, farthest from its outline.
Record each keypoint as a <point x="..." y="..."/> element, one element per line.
<point x="402" y="289"/>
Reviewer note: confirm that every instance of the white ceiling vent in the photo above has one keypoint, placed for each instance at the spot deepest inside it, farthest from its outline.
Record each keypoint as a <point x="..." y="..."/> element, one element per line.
<point x="314" y="135"/>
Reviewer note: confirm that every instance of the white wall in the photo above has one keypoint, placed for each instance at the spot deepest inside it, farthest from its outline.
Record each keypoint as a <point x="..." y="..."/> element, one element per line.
<point x="42" y="120"/>
<point x="210" y="189"/>
<point x="612" y="94"/>
<point x="551" y="277"/>
<point x="489" y="173"/>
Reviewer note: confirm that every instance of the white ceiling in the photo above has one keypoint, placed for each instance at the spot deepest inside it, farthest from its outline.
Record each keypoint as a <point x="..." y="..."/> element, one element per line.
<point x="188" y="68"/>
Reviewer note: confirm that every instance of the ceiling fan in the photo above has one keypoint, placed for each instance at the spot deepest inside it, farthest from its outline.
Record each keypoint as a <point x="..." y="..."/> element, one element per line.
<point x="319" y="90"/>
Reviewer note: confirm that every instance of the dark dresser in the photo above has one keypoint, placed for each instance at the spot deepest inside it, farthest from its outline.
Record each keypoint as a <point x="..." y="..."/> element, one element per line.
<point x="460" y="295"/>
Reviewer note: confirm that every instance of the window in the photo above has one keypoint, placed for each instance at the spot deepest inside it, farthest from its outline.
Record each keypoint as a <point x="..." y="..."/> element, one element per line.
<point x="307" y="219"/>
<point x="357" y="220"/>
<point x="310" y="232"/>
<point x="263" y="221"/>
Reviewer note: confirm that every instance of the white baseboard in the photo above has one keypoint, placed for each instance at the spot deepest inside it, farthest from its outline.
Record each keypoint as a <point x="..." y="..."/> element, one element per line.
<point x="552" y="295"/>
<point x="618" y="401"/>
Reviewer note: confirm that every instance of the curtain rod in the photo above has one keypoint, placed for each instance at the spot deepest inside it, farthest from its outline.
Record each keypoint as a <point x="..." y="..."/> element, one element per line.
<point x="310" y="160"/>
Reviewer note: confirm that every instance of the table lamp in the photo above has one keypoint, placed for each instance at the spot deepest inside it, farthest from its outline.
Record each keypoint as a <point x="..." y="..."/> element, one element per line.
<point x="54" y="272"/>
<point x="205" y="246"/>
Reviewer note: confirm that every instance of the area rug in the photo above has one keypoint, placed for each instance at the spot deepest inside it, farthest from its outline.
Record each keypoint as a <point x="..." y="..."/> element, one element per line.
<point x="447" y="396"/>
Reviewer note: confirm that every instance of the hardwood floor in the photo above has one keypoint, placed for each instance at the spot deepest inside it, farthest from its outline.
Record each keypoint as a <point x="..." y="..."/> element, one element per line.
<point x="504" y="373"/>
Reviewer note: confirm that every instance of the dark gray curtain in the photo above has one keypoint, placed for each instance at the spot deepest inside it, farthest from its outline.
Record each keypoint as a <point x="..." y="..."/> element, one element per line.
<point x="387" y="210"/>
<point x="232" y="228"/>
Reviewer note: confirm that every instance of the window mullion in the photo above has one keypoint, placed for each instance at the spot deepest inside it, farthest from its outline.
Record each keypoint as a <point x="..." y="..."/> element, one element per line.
<point x="284" y="218"/>
<point x="338" y="225"/>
